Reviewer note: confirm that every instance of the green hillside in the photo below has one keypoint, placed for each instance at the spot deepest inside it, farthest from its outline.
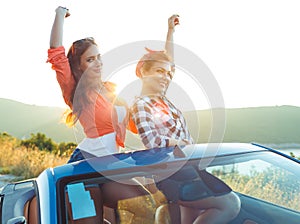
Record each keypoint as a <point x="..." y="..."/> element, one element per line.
<point x="266" y="125"/>
<point x="20" y="120"/>
<point x="277" y="125"/>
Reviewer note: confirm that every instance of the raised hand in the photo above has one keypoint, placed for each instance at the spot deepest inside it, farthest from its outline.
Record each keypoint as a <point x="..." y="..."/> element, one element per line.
<point x="63" y="10"/>
<point x="173" y="21"/>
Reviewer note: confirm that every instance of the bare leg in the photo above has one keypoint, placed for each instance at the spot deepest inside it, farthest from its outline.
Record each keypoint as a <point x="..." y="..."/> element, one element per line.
<point x="217" y="210"/>
<point x="188" y="215"/>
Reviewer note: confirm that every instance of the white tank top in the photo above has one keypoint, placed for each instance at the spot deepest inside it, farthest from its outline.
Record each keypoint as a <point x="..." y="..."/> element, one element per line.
<point x="106" y="144"/>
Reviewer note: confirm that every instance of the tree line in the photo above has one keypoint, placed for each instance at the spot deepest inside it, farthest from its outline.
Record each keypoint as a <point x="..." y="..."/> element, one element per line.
<point x="41" y="142"/>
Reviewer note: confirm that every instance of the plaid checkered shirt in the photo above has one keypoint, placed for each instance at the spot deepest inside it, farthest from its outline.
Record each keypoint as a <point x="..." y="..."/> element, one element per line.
<point x="157" y="120"/>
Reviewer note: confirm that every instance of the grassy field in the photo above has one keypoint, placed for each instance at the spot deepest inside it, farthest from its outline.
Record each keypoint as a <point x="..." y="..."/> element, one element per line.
<point x="25" y="162"/>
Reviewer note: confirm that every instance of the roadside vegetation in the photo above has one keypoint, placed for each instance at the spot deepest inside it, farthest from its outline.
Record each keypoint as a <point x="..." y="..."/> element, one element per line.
<point x="273" y="185"/>
<point x="28" y="158"/>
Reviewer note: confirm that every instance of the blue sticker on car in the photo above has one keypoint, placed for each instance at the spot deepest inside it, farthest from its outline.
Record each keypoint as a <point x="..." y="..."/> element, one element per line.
<point x="81" y="202"/>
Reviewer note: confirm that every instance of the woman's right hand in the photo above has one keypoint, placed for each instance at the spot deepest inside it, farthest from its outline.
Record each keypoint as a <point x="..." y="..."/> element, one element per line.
<point x="62" y="10"/>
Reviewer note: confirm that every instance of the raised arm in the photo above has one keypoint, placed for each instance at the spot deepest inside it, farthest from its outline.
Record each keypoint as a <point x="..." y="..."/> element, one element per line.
<point x="56" y="36"/>
<point x="58" y="58"/>
<point x="172" y="22"/>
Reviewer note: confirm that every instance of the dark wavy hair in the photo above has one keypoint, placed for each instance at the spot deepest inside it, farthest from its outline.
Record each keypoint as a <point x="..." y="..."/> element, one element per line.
<point x="80" y="89"/>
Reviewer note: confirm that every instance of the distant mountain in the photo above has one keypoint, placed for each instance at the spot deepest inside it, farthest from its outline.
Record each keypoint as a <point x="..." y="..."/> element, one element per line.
<point x="20" y="120"/>
<point x="266" y="125"/>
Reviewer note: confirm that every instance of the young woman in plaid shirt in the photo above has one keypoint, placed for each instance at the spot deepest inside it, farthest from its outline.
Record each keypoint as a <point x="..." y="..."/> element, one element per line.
<point x="160" y="124"/>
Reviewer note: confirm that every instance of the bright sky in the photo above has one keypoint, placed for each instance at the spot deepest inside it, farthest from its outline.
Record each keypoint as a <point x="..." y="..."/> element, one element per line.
<point x="252" y="48"/>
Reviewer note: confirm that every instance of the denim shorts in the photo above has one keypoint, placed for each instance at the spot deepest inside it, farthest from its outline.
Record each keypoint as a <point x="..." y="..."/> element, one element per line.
<point x="189" y="184"/>
<point x="78" y="155"/>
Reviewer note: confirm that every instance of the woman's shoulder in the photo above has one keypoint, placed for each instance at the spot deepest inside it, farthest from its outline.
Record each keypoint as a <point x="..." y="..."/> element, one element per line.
<point x="140" y="100"/>
<point x="120" y="102"/>
<point x="141" y="103"/>
<point x="110" y="86"/>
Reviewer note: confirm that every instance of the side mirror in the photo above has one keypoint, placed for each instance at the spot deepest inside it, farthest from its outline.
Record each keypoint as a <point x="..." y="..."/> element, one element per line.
<point x="17" y="220"/>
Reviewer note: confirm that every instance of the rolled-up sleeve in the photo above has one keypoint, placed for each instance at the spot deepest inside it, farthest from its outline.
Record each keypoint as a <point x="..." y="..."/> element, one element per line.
<point x="60" y="64"/>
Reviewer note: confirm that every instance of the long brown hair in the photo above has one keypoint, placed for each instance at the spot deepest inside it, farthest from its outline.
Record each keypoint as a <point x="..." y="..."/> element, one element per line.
<point x="80" y="89"/>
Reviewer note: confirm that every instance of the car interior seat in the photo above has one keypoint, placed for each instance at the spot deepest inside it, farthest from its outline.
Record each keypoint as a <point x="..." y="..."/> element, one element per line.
<point x="31" y="211"/>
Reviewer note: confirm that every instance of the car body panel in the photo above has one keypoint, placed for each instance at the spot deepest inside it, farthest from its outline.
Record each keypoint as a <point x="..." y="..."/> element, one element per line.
<point x="51" y="185"/>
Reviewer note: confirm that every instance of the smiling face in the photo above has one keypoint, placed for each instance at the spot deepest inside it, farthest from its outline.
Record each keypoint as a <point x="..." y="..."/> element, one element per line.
<point x="90" y="62"/>
<point x="84" y="59"/>
<point x="156" y="77"/>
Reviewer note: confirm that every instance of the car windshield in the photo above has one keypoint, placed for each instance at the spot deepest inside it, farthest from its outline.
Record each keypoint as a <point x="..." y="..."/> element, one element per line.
<point x="266" y="176"/>
<point x="263" y="176"/>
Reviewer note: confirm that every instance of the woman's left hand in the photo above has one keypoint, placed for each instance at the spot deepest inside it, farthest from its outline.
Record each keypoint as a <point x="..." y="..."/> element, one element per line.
<point x="173" y="21"/>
